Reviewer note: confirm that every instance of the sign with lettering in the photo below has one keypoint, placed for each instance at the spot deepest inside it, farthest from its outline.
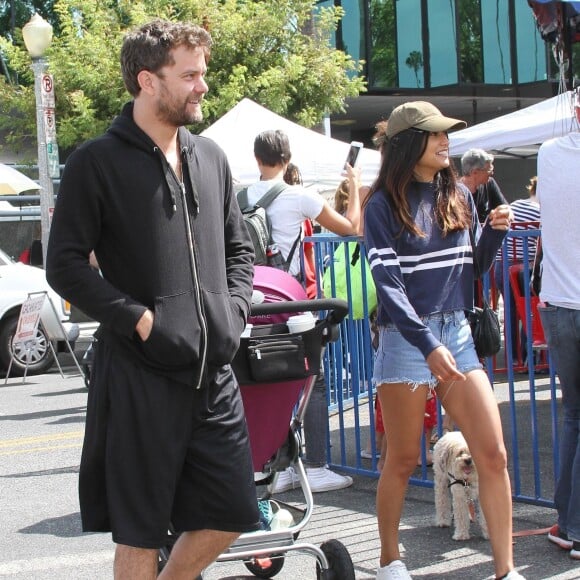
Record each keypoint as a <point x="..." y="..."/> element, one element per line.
<point x="47" y="92"/>
<point x="29" y="318"/>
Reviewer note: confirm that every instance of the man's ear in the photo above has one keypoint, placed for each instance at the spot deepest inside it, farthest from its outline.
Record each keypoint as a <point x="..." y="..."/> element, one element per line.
<point x="146" y="81"/>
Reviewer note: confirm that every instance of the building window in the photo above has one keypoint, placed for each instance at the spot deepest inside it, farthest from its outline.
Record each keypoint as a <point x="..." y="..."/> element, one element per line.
<point x="495" y="33"/>
<point x="382" y="69"/>
<point x="423" y="44"/>
<point x="353" y="29"/>
<point x="442" y="43"/>
<point x="410" y="63"/>
<point x="531" y="49"/>
<point x="471" y="49"/>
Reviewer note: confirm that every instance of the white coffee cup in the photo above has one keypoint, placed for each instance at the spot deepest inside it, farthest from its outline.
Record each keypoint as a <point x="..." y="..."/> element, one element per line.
<point x="300" y="322"/>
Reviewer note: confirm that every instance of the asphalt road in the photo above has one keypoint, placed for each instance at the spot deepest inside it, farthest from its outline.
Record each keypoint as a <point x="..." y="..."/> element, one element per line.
<point x="41" y="430"/>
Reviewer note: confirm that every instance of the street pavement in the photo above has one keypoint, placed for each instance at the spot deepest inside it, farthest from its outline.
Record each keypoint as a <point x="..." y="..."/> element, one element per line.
<point x="41" y="429"/>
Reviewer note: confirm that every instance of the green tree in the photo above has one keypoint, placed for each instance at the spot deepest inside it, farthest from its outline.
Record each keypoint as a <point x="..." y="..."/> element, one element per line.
<point x="261" y="50"/>
<point x="15" y="13"/>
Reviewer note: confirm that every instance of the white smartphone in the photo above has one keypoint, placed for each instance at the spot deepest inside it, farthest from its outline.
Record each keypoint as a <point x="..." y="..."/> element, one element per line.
<point x="353" y="152"/>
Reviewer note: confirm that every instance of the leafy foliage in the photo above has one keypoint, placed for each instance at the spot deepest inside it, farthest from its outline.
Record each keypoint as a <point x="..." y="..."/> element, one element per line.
<point x="276" y="53"/>
<point x="16" y="13"/>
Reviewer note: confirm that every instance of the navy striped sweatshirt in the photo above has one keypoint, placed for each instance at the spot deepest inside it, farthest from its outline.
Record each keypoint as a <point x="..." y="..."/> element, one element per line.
<point x="415" y="276"/>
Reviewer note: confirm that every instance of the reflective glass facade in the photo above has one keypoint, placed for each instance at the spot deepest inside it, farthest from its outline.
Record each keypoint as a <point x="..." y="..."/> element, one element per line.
<point x="428" y="44"/>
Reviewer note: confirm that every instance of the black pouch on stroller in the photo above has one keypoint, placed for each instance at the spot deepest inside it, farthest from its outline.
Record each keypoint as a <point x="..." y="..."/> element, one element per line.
<point x="278" y="357"/>
<point x="272" y="354"/>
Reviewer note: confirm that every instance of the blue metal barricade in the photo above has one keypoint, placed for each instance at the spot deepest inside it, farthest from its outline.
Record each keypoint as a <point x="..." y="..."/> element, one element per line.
<point x="527" y="399"/>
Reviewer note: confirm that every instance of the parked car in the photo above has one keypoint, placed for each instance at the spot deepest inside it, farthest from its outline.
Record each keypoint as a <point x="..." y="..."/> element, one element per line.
<point x="16" y="282"/>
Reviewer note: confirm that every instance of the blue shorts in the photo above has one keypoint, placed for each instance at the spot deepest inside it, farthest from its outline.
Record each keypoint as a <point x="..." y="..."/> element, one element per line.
<point x="397" y="361"/>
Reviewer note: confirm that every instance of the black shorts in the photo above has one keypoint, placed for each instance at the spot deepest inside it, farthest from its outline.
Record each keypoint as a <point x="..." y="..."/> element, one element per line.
<point x="157" y="451"/>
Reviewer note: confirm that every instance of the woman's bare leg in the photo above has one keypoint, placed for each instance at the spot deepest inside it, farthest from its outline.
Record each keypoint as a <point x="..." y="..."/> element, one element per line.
<point x="474" y="408"/>
<point x="403" y="413"/>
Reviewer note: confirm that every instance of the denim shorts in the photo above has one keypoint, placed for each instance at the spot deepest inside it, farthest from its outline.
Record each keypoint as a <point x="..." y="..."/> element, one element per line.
<point x="397" y="361"/>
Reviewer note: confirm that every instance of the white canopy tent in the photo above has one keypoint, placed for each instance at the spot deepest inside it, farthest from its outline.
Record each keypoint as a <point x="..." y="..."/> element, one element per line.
<point x="528" y="127"/>
<point x="319" y="158"/>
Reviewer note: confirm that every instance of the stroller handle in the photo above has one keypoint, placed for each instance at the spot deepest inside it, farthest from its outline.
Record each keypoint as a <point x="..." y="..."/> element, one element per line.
<point x="338" y="309"/>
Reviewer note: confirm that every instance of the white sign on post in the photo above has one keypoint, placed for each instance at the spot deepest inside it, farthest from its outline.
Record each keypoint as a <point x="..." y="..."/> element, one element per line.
<point x="29" y="318"/>
<point x="47" y="92"/>
<point x="49" y="125"/>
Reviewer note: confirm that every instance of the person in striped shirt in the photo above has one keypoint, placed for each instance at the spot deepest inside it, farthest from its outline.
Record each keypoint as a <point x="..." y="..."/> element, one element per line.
<point x="526" y="216"/>
<point x="526" y="213"/>
<point x="417" y="233"/>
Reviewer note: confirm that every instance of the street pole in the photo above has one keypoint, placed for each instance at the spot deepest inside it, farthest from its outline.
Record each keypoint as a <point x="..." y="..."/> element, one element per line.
<point x="39" y="67"/>
<point x="37" y="35"/>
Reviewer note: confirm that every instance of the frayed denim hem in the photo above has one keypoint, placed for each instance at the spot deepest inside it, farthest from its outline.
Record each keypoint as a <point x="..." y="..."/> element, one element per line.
<point x="414" y="385"/>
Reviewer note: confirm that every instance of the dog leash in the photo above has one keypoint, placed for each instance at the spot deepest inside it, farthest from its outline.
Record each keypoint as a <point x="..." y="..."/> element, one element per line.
<point x="467" y="486"/>
<point x="518" y="534"/>
<point x="524" y="533"/>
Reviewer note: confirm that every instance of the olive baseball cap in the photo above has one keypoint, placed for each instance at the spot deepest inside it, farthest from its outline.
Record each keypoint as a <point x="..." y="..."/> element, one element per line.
<point x="420" y="115"/>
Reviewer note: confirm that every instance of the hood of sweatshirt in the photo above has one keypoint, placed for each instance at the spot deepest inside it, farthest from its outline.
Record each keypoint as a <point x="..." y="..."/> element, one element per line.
<point x="125" y="128"/>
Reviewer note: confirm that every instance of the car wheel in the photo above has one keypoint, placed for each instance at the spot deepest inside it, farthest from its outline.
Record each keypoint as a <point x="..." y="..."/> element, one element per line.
<point x="35" y="352"/>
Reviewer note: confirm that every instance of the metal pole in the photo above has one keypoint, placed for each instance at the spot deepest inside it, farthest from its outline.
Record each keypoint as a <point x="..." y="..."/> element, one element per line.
<point x="44" y="179"/>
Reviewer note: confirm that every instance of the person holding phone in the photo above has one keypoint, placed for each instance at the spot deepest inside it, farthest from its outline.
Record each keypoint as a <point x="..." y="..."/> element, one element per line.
<point x="287" y="214"/>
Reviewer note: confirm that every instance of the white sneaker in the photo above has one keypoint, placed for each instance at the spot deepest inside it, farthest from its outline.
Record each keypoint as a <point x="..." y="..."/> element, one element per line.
<point x="396" y="570"/>
<point x="287" y="479"/>
<point x="322" y="479"/>
<point x="366" y="454"/>
<point x="513" y="575"/>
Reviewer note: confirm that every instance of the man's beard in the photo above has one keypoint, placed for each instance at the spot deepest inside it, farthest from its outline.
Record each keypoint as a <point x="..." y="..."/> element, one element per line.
<point x="177" y="114"/>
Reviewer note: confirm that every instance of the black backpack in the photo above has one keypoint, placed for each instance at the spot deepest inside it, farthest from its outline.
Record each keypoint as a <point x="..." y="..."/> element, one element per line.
<point x="257" y="221"/>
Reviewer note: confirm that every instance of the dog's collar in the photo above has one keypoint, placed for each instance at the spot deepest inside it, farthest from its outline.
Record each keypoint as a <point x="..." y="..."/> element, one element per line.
<point x="455" y="481"/>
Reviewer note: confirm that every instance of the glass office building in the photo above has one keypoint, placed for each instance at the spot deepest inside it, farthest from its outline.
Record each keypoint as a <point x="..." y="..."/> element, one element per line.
<point x="476" y="49"/>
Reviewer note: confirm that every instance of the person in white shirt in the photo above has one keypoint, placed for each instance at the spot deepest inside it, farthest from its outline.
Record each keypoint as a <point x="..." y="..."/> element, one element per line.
<point x="558" y="192"/>
<point x="296" y="203"/>
<point x="286" y="214"/>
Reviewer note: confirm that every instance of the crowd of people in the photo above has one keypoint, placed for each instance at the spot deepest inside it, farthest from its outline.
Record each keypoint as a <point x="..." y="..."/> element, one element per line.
<point x="166" y="439"/>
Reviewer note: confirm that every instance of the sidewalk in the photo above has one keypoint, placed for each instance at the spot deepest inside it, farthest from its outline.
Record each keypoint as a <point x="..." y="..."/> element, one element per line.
<point x="429" y="552"/>
<point x="349" y="516"/>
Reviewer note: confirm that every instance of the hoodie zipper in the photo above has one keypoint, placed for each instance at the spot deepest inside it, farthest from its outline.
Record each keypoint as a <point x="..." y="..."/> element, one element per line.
<point x="196" y="282"/>
<point x="192" y="259"/>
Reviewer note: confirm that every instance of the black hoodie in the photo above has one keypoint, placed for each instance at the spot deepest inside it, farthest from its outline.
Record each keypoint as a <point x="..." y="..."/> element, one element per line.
<point x="184" y="252"/>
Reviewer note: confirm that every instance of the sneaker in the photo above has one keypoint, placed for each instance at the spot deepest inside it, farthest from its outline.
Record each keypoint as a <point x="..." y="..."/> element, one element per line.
<point x="287" y="479"/>
<point x="365" y="454"/>
<point x="322" y="479"/>
<point x="559" y="538"/>
<point x="266" y="513"/>
<point x="513" y="575"/>
<point x="575" y="552"/>
<point x="396" y="570"/>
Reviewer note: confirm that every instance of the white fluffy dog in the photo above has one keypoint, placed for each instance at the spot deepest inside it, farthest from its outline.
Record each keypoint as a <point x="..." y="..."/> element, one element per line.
<point x="456" y="483"/>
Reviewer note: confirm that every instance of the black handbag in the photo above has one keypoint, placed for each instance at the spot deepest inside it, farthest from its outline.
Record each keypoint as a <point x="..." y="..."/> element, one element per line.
<point x="485" y="330"/>
<point x="484" y="321"/>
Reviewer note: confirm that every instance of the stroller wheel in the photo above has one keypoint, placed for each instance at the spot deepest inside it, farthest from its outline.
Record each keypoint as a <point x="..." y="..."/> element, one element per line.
<point x="265" y="567"/>
<point x="339" y="562"/>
